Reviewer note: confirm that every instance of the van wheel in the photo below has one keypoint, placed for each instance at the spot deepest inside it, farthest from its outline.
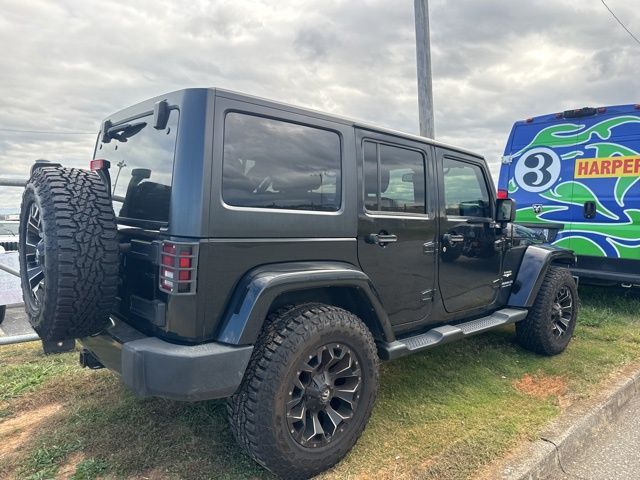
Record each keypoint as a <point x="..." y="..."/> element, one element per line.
<point x="68" y="253"/>
<point x="550" y="323"/>
<point x="308" y="391"/>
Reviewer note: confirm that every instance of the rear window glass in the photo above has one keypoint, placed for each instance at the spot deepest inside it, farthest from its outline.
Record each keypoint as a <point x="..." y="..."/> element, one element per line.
<point x="141" y="167"/>
<point x="276" y="164"/>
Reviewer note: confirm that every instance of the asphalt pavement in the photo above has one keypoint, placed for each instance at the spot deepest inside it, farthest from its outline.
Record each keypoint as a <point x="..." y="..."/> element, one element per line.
<point x="15" y="322"/>
<point x="10" y="291"/>
<point x="614" y="453"/>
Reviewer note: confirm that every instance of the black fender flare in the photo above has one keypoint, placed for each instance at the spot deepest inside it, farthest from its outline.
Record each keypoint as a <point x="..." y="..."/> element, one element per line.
<point x="256" y="292"/>
<point x="535" y="262"/>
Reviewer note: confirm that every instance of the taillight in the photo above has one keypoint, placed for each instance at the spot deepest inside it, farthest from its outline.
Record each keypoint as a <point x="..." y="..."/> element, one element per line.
<point x="99" y="164"/>
<point x="178" y="266"/>
<point x="503" y="194"/>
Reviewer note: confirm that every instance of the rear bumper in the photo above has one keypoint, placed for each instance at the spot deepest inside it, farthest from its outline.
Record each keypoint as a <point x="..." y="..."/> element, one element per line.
<point x="152" y="367"/>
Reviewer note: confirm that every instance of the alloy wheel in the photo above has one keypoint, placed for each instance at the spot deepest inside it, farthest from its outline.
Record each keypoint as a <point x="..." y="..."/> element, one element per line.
<point x="34" y="253"/>
<point x="562" y="311"/>
<point x="324" y="395"/>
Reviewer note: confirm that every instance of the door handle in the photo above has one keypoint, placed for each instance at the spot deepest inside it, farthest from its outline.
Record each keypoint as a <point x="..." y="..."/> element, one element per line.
<point x="589" y="209"/>
<point x="381" y="239"/>
<point x="452" y="238"/>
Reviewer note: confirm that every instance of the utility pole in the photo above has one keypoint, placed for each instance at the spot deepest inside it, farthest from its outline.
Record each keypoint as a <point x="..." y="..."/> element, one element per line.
<point x="423" y="52"/>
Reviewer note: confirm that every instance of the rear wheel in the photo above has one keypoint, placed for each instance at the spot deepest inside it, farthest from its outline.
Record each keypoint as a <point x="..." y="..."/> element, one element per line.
<point x="68" y="253"/>
<point x="3" y="311"/>
<point x="550" y="323"/>
<point x="308" y="391"/>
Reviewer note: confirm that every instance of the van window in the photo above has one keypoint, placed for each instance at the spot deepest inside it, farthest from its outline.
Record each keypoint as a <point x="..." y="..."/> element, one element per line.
<point x="465" y="190"/>
<point x="276" y="164"/>
<point x="394" y="179"/>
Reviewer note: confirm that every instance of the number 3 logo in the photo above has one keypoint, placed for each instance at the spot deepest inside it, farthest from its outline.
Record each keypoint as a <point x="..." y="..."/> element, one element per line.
<point x="537" y="169"/>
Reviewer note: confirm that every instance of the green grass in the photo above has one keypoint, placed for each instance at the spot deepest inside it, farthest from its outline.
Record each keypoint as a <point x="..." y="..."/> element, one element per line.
<point x="90" y="469"/>
<point x="440" y="414"/>
<point x="25" y="368"/>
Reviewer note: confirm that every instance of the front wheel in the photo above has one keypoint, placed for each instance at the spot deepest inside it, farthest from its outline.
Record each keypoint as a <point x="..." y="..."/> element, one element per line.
<point x="308" y="391"/>
<point x="550" y="323"/>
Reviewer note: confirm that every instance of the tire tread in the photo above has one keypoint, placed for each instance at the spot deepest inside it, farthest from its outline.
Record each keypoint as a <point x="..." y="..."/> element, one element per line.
<point x="81" y="250"/>
<point x="284" y="331"/>
<point x="533" y="333"/>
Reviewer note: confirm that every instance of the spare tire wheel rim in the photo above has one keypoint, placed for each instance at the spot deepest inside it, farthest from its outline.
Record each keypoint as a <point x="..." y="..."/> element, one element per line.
<point x="324" y="395"/>
<point x="34" y="252"/>
<point x="562" y="311"/>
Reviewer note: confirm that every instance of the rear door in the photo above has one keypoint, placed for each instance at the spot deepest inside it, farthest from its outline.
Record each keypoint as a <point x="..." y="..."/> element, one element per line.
<point x="142" y="159"/>
<point x="470" y="256"/>
<point x="397" y="228"/>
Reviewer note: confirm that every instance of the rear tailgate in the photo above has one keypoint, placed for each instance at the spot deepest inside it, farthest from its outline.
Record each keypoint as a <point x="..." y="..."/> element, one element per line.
<point x="141" y="302"/>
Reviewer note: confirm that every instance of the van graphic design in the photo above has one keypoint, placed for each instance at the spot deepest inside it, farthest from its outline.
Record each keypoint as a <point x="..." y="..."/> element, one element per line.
<point x="576" y="174"/>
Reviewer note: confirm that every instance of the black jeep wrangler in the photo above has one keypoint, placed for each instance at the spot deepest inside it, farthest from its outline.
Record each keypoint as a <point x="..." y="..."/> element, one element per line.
<point x="228" y="246"/>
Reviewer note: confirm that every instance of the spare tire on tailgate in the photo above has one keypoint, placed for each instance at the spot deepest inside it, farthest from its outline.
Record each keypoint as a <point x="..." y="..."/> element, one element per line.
<point x="68" y="251"/>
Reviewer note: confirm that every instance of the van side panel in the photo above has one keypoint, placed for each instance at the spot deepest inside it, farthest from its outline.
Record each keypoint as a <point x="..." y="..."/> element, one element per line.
<point x="606" y="176"/>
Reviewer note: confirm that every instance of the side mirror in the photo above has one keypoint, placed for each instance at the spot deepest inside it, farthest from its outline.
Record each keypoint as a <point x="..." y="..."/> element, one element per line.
<point x="505" y="210"/>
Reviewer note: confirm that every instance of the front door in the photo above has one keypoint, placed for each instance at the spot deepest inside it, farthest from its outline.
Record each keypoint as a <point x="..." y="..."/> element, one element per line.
<point x="470" y="253"/>
<point x="397" y="230"/>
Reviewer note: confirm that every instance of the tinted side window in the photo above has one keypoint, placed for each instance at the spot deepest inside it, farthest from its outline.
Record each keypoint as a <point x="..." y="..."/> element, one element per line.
<point x="275" y="164"/>
<point x="394" y="179"/>
<point x="465" y="190"/>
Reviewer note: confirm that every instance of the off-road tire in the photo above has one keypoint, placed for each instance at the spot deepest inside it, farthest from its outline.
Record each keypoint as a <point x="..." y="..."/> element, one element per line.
<point x="257" y="411"/>
<point x="536" y="332"/>
<point x="78" y="240"/>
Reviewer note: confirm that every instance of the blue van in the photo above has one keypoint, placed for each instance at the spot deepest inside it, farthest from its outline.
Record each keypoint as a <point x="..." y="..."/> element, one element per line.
<point x="575" y="178"/>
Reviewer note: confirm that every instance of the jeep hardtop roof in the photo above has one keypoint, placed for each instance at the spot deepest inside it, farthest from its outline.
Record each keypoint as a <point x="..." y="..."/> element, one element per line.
<point x="147" y="105"/>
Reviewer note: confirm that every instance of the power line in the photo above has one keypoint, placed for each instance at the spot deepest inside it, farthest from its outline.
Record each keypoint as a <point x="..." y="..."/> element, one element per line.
<point x="620" y="22"/>
<point x="45" y="132"/>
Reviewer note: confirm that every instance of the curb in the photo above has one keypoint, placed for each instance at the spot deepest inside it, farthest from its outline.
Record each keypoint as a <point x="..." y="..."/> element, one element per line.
<point x="571" y="434"/>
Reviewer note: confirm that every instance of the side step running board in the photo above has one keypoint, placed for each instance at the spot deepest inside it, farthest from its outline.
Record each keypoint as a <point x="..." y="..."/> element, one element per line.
<point x="447" y="333"/>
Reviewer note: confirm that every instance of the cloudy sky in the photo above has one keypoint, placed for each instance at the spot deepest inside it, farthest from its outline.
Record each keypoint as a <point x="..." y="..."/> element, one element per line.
<point x="68" y="64"/>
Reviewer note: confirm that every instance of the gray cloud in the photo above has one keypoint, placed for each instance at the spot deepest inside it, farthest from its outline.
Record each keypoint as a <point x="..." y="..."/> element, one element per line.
<point x="68" y="64"/>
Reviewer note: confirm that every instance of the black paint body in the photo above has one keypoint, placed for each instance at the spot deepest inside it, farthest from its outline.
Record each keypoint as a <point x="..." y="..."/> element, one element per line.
<point x="253" y="260"/>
